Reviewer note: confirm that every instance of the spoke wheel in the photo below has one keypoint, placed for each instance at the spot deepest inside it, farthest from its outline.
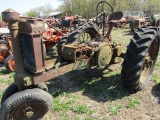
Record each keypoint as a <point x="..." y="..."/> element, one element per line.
<point x="30" y="104"/>
<point x="140" y="58"/>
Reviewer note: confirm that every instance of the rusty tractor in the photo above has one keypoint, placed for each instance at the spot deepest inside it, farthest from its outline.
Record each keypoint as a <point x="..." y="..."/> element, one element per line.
<point x="53" y="34"/>
<point x="6" y="57"/>
<point x="138" y="19"/>
<point x="28" y="98"/>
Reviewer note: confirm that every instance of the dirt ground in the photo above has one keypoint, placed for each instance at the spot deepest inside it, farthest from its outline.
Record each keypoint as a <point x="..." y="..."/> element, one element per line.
<point x="102" y="93"/>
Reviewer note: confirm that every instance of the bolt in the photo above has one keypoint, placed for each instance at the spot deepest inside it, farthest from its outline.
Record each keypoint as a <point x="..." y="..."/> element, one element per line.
<point x="29" y="114"/>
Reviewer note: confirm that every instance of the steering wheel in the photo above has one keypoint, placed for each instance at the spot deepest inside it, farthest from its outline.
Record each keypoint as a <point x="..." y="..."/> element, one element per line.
<point x="102" y="6"/>
<point x="104" y="13"/>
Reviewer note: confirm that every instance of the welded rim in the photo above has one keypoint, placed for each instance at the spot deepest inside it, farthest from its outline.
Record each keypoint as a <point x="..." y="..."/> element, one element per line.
<point x="29" y="110"/>
<point x="149" y="63"/>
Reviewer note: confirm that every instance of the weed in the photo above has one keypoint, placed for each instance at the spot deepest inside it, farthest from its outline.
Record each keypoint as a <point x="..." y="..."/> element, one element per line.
<point x="157" y="66"/>
<point x="80" y="109"/>
<point x="114" y="109"/>
<point x="133" y="103"/>
<point x="2" y="80"/>
<point x="10" y="80"/>
<point x="156" y="78"/>
<point x="63" y="102"/>
<point x="11" y="74"/>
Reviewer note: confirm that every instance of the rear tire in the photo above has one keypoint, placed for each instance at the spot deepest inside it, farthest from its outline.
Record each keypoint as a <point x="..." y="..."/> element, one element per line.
<point x="140" y="58"/>
<point x="75" y="37"/>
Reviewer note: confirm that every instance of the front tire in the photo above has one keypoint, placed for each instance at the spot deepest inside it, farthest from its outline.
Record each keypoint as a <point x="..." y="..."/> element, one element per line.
<point x="140" y="58"/>
<point x="30" y="104"/>
<point x="13" y="88"/>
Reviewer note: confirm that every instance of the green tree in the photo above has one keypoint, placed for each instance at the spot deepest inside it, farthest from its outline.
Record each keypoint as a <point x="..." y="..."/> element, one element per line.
<point x="31" y="13"/>
<point x="45" y="10"/>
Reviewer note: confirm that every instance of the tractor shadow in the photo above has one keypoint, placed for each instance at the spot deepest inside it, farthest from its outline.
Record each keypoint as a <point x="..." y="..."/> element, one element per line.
<point x="156" y="91"/>
<point x="95" y="84"/>
<point x="127" y="33"/>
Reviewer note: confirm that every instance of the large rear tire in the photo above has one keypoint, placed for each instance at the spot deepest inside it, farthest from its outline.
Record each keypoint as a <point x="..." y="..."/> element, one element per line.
<point x="77" y="37"/>
<point x="140" y="58"/>
<point x="30" y="104"/>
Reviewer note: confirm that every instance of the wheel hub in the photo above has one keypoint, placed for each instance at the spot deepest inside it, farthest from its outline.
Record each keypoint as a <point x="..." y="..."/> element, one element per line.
<point x="28" y="112"/>
<point x="104" y="55"/>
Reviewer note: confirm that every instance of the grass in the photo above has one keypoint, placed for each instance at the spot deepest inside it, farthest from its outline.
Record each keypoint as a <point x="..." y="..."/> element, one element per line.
<point x="156" y="78"/>
<point x="63" y="102"/>
<point x="114" y="109"/>
<point x="2" y="80"/>
<point x="157" y="66"/>
<point x="133" y="103"/>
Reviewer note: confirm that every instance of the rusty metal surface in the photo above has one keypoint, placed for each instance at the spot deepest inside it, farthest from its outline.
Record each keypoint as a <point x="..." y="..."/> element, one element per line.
<point x="75" y="52"/>
<point x="45" y="76"/>
<point x="104" y="55"/>
<point x="30" y="36"/>
<point x="12" y="18"/>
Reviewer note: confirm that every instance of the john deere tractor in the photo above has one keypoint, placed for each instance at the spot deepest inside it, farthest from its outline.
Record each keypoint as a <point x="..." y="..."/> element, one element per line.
<point x="88" y="46"/>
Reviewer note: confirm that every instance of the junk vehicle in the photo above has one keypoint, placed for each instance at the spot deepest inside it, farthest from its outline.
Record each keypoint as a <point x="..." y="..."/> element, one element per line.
<point x="6" y="57"/>
<point x="28" y="98"/>
<point x="139" y="19"/>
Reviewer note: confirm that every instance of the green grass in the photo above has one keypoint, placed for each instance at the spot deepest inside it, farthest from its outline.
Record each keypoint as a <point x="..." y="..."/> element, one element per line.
<point x="157" y="66"/>
<point x="63" y="102"/>
<point x="2" y="80"/>
<point x="133" y="103"/>
<point x="80" y="109"/>
<point x="114" y="109"/>
<point x="156" y="78"/>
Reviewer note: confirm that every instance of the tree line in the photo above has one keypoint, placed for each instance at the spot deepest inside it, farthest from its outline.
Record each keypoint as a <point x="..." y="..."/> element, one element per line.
<point x="87" y="8"/>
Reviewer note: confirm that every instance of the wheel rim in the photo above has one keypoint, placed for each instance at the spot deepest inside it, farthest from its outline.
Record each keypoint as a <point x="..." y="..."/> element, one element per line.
<point x="12" y="65"/>
<point x="149" y="63"/>
<point x="28" y="110"/>
<point x="104" y="56"/>
<point x="86" y="36"/>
